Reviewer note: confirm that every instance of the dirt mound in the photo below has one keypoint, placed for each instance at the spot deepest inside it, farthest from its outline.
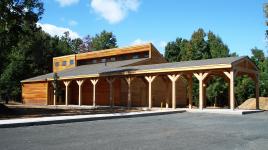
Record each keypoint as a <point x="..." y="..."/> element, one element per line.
<point x="251" y="103"/>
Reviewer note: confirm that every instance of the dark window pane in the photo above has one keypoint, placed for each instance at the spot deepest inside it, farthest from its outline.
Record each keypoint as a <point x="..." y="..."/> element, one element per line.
<point x="71" y="62"/>
<point x="63" y="63"/>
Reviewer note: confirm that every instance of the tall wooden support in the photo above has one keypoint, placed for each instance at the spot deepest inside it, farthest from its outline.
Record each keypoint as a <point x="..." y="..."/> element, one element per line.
<point x="66" y="83"/>
<point x="80" y="82"/>
<point x="173" y="79"/>
<point x="129" y="79"/>
<point x="94" y="82"/>
<point x="231" y="76"/>
<point x="257" y="90"/>
<point x="110" y="81"/>
<point x="54" y="97"/>
<point x="150" y="79"/>
<point x="201" y="77"/>
<point x="190" y="91"/>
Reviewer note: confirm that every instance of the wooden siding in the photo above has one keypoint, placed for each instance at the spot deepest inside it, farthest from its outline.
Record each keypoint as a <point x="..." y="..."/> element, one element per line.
<point x="35" y="93"/>
<point x="60" y="61"/>
<point x="113" y="52"/>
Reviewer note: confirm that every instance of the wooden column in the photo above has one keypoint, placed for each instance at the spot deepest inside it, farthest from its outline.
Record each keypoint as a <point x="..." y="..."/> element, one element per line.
<point x="94" y="82"/>
<point x="231" y="76"/>
<point x="257" y="90"/>
<point x="66" y="83"/>
<point x="129" y="79"/>
<point x="110" y="81"/>
<point x="80" y="82"/>
<point x="190" y="91"/>
<point x="173" y="79"/>
<point x="54" y="97"/>
<point x="150" y="79"/>
<point x="201" y="77"/>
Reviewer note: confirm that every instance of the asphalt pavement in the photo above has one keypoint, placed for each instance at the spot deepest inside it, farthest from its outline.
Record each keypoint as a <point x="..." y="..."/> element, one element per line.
<point x="172" y="131"/>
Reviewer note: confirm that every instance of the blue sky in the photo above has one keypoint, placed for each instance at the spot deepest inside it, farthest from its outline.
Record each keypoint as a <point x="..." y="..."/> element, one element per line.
<point x="240" y="23"/>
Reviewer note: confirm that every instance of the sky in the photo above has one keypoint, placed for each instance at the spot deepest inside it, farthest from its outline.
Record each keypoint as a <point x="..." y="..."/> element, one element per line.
<point x="240" y="23"/>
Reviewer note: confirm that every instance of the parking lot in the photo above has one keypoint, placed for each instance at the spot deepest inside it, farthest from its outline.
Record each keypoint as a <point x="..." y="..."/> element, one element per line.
<point x="173" y="131"/>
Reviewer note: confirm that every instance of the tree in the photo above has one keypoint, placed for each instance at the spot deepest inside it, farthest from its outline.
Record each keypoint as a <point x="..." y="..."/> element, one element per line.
<point x="18" y="19"/>
<point x="216" y="46"/>
<point x="173" y="50"/>
<point x="104" y="40"/>
<point x="200" y="49"/>
<point x="266" y="15"/>
<point x="261" y="61"/>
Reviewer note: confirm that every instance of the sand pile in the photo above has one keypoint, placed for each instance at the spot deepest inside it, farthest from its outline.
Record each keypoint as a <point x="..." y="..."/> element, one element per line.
<point x="251" y="104"/>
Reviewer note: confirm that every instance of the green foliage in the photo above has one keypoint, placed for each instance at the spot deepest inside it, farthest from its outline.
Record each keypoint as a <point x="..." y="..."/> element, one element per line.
<point x="200" y="49"/>
<point x="216" y="46"/>
<point x="217" y="91"/>
<point x="55" y="84"/>
<point x="104" y="40"/>
<point x="244" y="89"/>
<point x="207" y="45"/>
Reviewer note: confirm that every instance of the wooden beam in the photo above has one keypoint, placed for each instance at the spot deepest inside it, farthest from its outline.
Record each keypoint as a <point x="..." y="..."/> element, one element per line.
<point x="201" y="77"/>
<point x="150" y="79"/>
<point x="190" y="92"/>
<point x="66" y="83"/>
<point x="129" y="79"/>
<point x="80" y="82"/>
<point x="257" y="90"/>
<point x="173" y="79"/>
<point x="111" y="99"/>
<point x="94" y="82"/>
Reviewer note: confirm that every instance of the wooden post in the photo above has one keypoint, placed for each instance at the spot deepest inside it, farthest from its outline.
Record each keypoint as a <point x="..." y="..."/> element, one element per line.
<point x="201" y="77"/>
<point x="66" y="83"/>
<point x="190" y="91"/>
<point x="80" y="82"/>
<point x="231" y="76"/>
<point x="94" y="82"/>
<point x="150" y="79"/>
<point x="173" y="79"/>
<point x="257" y="87"/>
<point x="110" y="81"/>
<point x="129" y="79"/>
<point x="54" y="98"/>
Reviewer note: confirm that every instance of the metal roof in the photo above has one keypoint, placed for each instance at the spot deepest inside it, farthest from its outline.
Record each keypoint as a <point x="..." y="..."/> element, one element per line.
<point x="123" y="66"/>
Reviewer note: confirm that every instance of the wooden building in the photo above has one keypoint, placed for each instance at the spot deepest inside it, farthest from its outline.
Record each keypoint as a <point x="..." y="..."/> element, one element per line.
<point x="135" y="76"/>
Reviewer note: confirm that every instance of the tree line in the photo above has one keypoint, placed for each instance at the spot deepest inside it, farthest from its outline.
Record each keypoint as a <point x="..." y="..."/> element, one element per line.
<point x="27" y="51"/>
<point x="204" y="45"/>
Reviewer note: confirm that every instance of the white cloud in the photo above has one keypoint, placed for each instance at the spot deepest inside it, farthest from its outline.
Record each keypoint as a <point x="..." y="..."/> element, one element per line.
<point x="64" y="3"/>
<point x="59" y="31"/>
<point x="114" y="11"/>
<point x="139" y="41"/>
<point x="73" y="23"/>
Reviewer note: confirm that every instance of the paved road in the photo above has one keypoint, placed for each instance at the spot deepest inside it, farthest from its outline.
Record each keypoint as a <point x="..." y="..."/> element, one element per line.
<point x="175" y="131"/>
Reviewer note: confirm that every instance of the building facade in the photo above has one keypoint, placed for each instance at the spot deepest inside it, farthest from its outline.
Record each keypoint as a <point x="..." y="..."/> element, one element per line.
<point x="135" y="76"/>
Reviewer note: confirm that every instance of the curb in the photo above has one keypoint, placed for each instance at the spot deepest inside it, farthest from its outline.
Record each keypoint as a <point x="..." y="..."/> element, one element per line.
<point x="83" y="118"/>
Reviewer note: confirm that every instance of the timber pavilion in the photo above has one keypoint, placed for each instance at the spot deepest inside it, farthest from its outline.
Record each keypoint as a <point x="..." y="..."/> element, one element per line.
<point x="135" y="76"/>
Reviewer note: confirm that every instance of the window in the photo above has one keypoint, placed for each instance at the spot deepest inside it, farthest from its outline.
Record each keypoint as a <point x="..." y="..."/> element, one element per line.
<point x="123" y="57"/>
<point x="57" y="64"/>
<point x="146" y="55"/>
<point x="64" y="63"/>
<point x="94" y="61"/>
<point x="112" y="59"/>
<point x="71" y="62"/>
<point x="103" y="60"/>
<point x="135" y="56"/>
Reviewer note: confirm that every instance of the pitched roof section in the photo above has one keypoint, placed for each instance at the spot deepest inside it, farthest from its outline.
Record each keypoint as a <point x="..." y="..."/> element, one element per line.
<point x="122" y="67"/>
<point x="87" y="69"/>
